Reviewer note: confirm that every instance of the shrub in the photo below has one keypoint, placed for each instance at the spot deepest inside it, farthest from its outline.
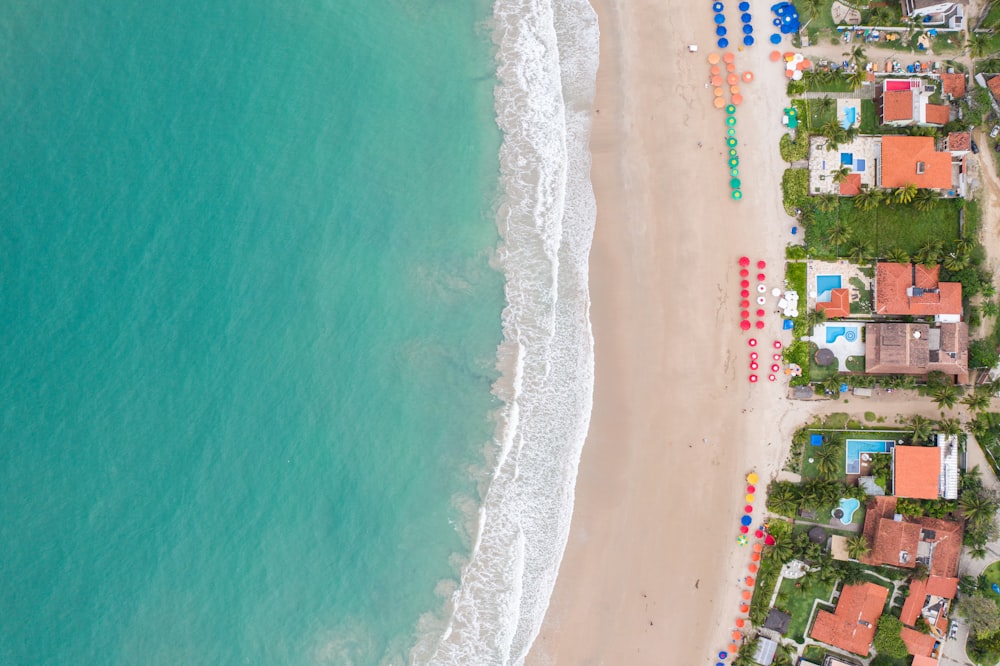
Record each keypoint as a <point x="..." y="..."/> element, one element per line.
<point x="795" y="189"/>
<point x="887" y="639"/>
<point x="983" y="354"/>
<point x="796" y="88"/>
<point x="793" y="150"/>
<point x="796" y="252"/>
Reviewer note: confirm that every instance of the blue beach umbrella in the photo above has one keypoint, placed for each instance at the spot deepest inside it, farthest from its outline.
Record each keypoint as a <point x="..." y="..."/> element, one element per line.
<point x="775" y="38"/>
<point x="744" y="6"/>
<point x="746" y="18"/>
<point x="723" y="42"/>
<point x="720" y="19"/>
<point x="717" y="7"/>
<point x="776" y="22"/>
<point x="748" y="41"/>
<point x="723" y="654"/>
<point x="720" y="31"/>
<point x="747" y="29"/>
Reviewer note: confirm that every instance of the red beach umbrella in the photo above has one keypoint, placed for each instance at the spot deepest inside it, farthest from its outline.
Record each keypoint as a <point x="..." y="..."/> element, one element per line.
<point x="744" y="261"/>
<point x="745" y="294"/>
<point x="733" y="647"/>
<point x="777" y="357"/>
<point x="760" y="324"/>
<point x="768" y="540"/>
<point x="744" y="304"/>
<point x="760" y="277"/>
<point x="752" y="342"/>
<point x="751" y="489"/>
<point x="771" y="378"/>
<point x="744" y="273"/>
<point x="744" y="529"/>
<point x="755" y="556"/>
<point x="752" y="568"/>
<point x="753" y="356"/>
<point x="740" y="622"/>
<point x="760" y="313"/>
<point x="777" y="344"/>
<point x="759" y="534"/>
<point x="744" y="283"/>
<point x="761" y="264"/>
<point x="753" y="365"/>
<point x="744" y="608"/>
<point x="744" y="314"/>
<point x="748" y="76"/>
<point x="750" y="581"/>
<point x="737" y="635"/>
<point x="737" y="99"/>
<point x="757" y="548"/>
<point x="748" y="509"/>
<point x="753" y="379"/>
<point x="775" y="56"/>
<point x="747" y="595"/>
<point x="775" y="368"/>
<point x="744" y="325"/>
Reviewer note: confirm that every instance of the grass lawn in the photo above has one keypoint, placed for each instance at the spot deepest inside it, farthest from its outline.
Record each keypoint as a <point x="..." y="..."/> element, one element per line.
<point x="992" y="575"/>
<point x="823" y="19"/>
<point x="798" y="602"/>
<point x="814" y="653"/>
<point x="819" y="373"/>
<point x="815" y="112"/>
<point x="885" y="228"/>
<point x="856" y="363"/>
<point x="869" y="117"/>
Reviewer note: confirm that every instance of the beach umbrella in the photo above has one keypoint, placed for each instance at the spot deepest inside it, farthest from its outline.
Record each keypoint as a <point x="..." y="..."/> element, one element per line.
<point x="748" y="509"/>
<point x="730" y="67"/>
<point x="744" y="315"/>
<point x="737" y="195"/>
<point x="737" y="635"/>
<point x="751" y="488"/>
<point x="740" y="622"/>
<point x="717" y="7"/>
<point x="719" y="102"/>
<point x="737" y="99"/>
<point x="769" y="540"/>
<point x="760" y="277"/>
<point x="746" y="520"/>
<point x="771" y="378"/>
<point x="744" y="609"/>
<point x="723" y="655"/>
<point x="775" y="56"/>
<point x="776" y="357"/>
<point x="749" y="498"/>
<point x="760" y="325"/>
<point x="806" y="64"/>
<point x="742" y="540"/>
<point x="753" y="379"/>
<point x="734" y="172"/>
<point x="744" y="6"/>
<point x="752" y="342"/>
<point x="722" y="43"/>
<point x="797" y="75"/>
<point x="734" y="89"/>
<point x="714" y="69"/>
<point x="734" y="162"/>
<point x="744" y="273"/>
<point x="748" y="40"/>
<point x="716" y="81"/>
<point x="713" y="58"/>
<point x="761" y="300"/>
<point x="775" y="368"/>
<point x="757" y="548"/>
<point x="734" y="183"/>
<point x="761" y="289"/>
<point x="753" y="356"/>
<point x="747" y="29"/>
<point x="750" y="581"/>
<point x="744" y="304"/>
<point x="731" y="110"/>
<point x="745" y="17"/>
<point x="760" y="313"/>
<point x="732" y="152"/>
<point x="719" y="19"/>
<point x="728" y="57"/>
<point x="733" y="648"/>
<point x="745" y="325"/>
<point x="732" y="79"/>
<point x="747" y="595"/>
<point x="744" y="529"/>
<point x="731" y="120"/>
<point x="744" y="283"/>
<point x="755" y="556"/>
<point x="753" y="365"/>
<point x="744" y="293"/>
<point x="777" y="344"/>
<point x="747" y="77"/>
<point x="731" y="142"/>
<point x="752" y="477"/>
<point x="775" y="38"/>
<point x="717" y="92"/>
<point x="720" y="30"/>
<point x="788" y="73"/>
<point x="731" y="131"/>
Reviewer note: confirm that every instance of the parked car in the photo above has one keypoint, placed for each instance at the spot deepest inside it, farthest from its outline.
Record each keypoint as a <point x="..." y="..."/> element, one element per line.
<point x="975" y="148"/>
<point x="994" y="131"/>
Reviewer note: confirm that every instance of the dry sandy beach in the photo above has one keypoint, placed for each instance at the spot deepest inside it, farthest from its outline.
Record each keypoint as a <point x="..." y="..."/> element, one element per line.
<point x="650" y="572"/>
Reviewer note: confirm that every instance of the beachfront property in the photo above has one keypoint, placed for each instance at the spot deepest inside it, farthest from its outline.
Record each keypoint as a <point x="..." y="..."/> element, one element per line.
<point x="906" y="541"/>
<point x="851" y="627"/>
<point x="915" y="290"/>
<point x="900" y="348"/>
<point x="906" y="102"/>
<point x="926" y="472"/>
<point x="935" y="13"/>
<point x="887" y="162"/>
<point x="834" y="285"/>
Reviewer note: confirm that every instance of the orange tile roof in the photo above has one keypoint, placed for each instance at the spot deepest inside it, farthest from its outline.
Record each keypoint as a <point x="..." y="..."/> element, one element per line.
<point x="921" y="660"/>
<point x="918" y="644"/>
<point x="994" y="85"/>
<point x="839" y="304"/>
<point x="937" y="114"/>
<point x="901" y="156"/>
<point x="958" y="141"/>
<point x="852" y="626"/>
<point x="897" y="105"/>
<point x="890" y="538"/>
<point x="893" y="280"/>
<point x="953" y="84"/>
<point x="851" y="185"/>
<point x="914" y="603"/>
<point x="941" y="586"/>
<point x="918" y="472"/>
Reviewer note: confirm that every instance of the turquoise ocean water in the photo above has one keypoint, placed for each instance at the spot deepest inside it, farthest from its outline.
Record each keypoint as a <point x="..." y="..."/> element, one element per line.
<point x="250" y="325"/>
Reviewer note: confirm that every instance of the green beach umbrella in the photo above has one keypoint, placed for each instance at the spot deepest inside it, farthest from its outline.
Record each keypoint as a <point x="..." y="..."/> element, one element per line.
<point x="734" y="172"/>
<point x="731" y="109"/>
<point x="731" y="131"/>
<point x="734" y="162"/>
<point x="732" y="152"/>
<point x="730" y="120"/>
<point x="731" y="142"/>
<point x="737" y="195"/>
<point x="734" y="183"/>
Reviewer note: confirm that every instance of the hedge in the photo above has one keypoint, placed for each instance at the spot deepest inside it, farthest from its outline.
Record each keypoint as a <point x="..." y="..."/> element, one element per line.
<point x="794" y="189"/>
<point x="793" y="150"/>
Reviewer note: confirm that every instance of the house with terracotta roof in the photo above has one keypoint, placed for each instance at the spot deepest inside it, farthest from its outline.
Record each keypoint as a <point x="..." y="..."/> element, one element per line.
<point x="907" y="102"/>
<point x="953" y="84"/>
<point x="838" y="306"/>
<point x="918" y="349"/>
<point x="916" y="290"/>
<point x="930" y="599"/>
<point x="926" y="472"/>
<point x="914" y="160"/>
<point x="919" y="644"/>
<point x="920" y="660"/>
<point x="959" y="144"/>
<point x="851" y="627"/>
<point x="906" y="541"/>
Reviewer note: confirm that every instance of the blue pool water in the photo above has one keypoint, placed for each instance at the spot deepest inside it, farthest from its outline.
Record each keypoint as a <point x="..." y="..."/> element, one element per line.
<point x="850" y="117"/>
<point x="850" y="333"/>
<point x="845" y="512"/>
<point x="847" y="159"/>
<point x="824" y="284"/>
<point x="855" y="447"/>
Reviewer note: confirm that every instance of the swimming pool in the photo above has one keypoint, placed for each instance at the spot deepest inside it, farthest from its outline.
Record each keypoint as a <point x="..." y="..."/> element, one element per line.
<point x="850" y="117"/>
<point x="824" y="285"/>
<point x="857" y="447"/>
<point x="850" y="333"/>
<point x="845" y="512"/>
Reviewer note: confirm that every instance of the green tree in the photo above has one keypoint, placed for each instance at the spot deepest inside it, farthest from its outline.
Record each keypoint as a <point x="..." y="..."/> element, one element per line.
<point x="982" y="614"/>
<point x="781" y="551"/>
<point x="898" y="255"/>
<point x="868" y="198"/>
<point x="920" y="428"/>
<point x="826" y="203"/>
<point x="841" y="174"/>
<point x="989" y="308"/>
<point x="950" y="426"/>
<point x="956" y="261"/>
<point x="929" y="254"/>
<point x="857" y="78"/>
<point x="834" y="134"/>
<point x="783" y="498"/>
<point x="978" y="400"/>
<point x="977" y="505"/>
<point x="813" y="318"/>
<point x="905" y="194"/>
<point x="945" y="396"/>
<point x="837" y="234"/>
<point x="860" y="251"/>
<point x="858" y="547"/>
<point x="827" y="460"/>
<point x="887" y="639"/>
<point x="925" y="199"/>
<point x="812" y="7"/>
<point x="978" y="44"/>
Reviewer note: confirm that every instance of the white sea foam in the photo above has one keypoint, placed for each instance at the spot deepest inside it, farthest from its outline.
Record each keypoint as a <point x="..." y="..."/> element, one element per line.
<point x="547" y="52"/>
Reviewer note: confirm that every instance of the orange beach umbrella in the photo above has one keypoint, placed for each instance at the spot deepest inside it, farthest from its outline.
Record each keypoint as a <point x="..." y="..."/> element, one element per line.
<point x="728" y="57"/>
<point x="748" y="76"/>
<point x="740" y="622"/>
<point x="775" y="56"/>
<point x="719" y="102"/>
<point x="713" y="58"/>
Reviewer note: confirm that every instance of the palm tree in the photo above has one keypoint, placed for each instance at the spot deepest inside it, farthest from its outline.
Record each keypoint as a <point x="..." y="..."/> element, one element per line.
<point x="929" y="254"/>
<point x="925" y="199"/>
<point x="950" y="426"/>
<point x="920" y="428"/>
<point x="857" y="78"/>
<point x="857" y="55"/>
<point x="826" y="460"/>
<point x="838" y="233"/>
<point x="826" y="203"/>
<point x="858" y="547"/>
<point x="978" y="551"/>
<point x="880" y="16"/>
<point x="781" y="551"/>
<point x="978" y="44"/>
<point x="813" y="7"/>
<point x="782" y="498"/>
<point x="956" y="261"/>
<point x="834" y="133"/>
<point x="868" y="198"/>
<point x="977" y="401"/>
<point x="826" y="104"/>
<point x="945" y="396"/>
<point x="905" y="194"/>
<point x="860" y="251"/>
<point x="976" y="504"/>
<point x="814" y="317"/>
<point x="989" y="308"/>
<point x="841" y="174"/>
<point x="898" y="255"/>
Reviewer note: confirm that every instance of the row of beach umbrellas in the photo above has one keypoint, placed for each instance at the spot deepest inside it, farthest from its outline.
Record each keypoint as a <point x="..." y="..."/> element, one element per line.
<point x="721" y="32"/>
<point x="746" y="294"/>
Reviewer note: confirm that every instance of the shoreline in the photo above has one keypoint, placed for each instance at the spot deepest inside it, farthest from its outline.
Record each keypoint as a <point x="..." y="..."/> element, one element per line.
<point x="652" y="554"/>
